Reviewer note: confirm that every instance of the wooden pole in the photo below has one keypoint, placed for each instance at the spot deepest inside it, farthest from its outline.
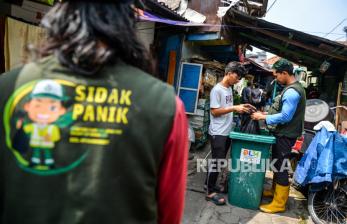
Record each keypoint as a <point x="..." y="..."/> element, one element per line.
<point x="337" y="118"/>
<point x="172" y="68"/>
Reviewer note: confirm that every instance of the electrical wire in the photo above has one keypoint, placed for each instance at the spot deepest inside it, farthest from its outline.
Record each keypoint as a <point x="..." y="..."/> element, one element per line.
<point x="249" y="27"/>
<point x="340" y="38"/>
<point x="271" y="6"/>
<point x="235" y="26"/>
<point x="339" y="24"/>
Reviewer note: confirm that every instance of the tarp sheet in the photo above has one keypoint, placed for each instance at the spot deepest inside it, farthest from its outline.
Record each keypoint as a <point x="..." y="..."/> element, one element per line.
<point x="324" y="160"/>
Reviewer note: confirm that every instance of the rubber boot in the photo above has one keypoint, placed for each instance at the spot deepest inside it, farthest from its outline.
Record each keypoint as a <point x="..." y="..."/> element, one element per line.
<point x="279" y="201"/>
<point x="269" y="193"/>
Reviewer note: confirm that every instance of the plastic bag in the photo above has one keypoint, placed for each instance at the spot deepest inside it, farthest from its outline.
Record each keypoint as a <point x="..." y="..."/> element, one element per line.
<point x="21" y="141"/>
<point x="249" y="126"/>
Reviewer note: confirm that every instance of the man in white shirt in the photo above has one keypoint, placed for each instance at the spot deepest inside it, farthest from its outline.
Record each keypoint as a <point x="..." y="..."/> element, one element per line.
<point x="222" y="108"/>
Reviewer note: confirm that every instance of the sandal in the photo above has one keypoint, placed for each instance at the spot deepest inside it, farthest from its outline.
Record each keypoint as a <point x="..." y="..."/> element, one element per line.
<point x="216" y="199"/>
<point x="222" y="189"/>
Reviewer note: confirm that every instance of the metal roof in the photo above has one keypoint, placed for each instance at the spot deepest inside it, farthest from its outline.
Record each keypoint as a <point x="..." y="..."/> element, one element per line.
<point x="294" y="45"/>
<point x="162" y="10"/>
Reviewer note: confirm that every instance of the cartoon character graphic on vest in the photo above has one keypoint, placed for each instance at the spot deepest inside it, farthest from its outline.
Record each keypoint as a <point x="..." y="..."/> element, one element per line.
<point x="44" y="108"/>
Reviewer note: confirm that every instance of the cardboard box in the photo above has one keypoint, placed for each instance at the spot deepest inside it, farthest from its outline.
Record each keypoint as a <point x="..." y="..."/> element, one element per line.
<point x="29" y="16"/>
<point x="35" y="6"/>
<point x="30" y="11"/>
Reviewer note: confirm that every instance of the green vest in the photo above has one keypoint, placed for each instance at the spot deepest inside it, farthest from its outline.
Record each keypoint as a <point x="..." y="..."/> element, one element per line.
<point x="295" y="127"/>
<point x="113" y="128"/>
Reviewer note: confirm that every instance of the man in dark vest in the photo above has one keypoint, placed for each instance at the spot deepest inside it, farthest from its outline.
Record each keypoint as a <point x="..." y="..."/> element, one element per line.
<point x="117" y="135"/>
<point x="256" y="96"/>
<point x="287" y="115"/>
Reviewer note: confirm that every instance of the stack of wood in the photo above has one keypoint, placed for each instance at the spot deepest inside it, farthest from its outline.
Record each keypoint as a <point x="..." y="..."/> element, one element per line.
<point x="213" y="65"/>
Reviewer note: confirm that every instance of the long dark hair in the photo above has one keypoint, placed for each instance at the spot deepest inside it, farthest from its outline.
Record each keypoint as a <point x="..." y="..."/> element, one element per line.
<point x="85" y="36"/>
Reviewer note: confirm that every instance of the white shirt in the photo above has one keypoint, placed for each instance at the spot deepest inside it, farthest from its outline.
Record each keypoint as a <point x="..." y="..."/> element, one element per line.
<point x="221" y="97"/>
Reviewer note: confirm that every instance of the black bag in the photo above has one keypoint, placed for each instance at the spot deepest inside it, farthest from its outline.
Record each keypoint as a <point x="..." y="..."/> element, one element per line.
<point x="249" y="126"/>
<point x="21" y="141"/>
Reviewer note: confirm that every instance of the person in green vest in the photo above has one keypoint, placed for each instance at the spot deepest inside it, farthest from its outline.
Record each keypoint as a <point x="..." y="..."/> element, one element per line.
<point x="286" y="115"/>
<point x="273" y="90"/>
<point x="117" y="134"/>
<point x="44" y="108"/>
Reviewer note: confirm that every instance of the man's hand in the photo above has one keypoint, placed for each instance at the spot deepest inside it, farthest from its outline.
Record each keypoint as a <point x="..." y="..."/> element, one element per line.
<point x="258" y="116"/>
<point x="244" y="108"/>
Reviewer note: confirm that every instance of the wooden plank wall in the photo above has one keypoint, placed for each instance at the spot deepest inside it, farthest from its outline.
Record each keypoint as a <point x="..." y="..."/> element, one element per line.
<point x="172" y="68"/>
<point x="343" y="118"/>
<point x="2" y="35"/>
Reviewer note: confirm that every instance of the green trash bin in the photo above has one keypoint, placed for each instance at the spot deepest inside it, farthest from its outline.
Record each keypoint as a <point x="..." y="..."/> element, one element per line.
<point x="248" y="163"/>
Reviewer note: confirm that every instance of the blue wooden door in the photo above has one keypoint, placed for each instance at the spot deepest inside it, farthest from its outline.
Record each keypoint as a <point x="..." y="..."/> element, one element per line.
<point x="188" y="89"/>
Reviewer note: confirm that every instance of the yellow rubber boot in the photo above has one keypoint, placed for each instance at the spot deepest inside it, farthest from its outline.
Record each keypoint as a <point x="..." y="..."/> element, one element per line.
<point x="279" y="201"/>
<point x="269" y="193"/>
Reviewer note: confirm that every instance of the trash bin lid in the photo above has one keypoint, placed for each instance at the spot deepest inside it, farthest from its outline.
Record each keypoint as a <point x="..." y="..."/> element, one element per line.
<point x="252" y="138"/>
<point x="316" y="110"/>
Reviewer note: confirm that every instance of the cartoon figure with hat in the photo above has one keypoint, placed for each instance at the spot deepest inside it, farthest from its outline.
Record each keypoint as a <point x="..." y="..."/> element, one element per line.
<point x="43" y="109"/>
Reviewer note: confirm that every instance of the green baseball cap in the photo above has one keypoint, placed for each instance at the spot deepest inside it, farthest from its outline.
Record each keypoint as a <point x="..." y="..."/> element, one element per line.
<point x="283" y="65"/>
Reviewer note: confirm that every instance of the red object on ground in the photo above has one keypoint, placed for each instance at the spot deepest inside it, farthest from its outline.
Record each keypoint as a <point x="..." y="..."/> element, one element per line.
<point x="298" y="144"/>
<point x="173" y="170"/>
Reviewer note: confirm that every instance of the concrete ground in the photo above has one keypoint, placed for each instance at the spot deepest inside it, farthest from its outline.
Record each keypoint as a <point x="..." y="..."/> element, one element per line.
<point x="199" y="211"/>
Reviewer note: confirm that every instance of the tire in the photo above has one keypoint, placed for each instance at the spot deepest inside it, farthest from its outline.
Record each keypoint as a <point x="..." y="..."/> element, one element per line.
<point x="313" y="214"/>
<point x="320" y="202"/>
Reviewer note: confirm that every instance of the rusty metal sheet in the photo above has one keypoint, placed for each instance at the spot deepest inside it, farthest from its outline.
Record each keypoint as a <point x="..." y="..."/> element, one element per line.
<point x="208" y="8"/>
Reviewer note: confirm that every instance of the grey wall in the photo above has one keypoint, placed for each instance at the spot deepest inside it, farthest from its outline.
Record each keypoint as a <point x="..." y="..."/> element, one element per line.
<point x="145" y="32"/>
<point x="190" y="49"/>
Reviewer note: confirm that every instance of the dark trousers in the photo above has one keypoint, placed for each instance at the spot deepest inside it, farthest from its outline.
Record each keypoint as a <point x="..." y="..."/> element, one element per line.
<point x="282" y="152"/>
<point x="219" y="149"/>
